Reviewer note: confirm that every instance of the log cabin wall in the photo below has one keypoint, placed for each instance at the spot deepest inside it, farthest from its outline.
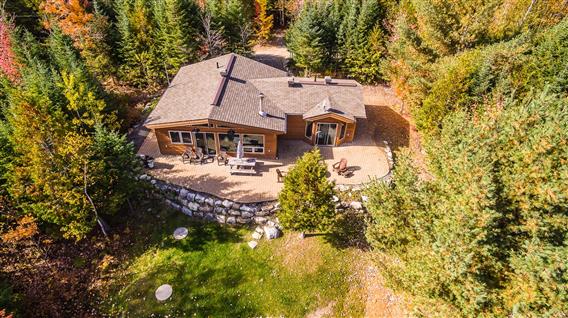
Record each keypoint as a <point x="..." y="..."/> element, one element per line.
<point x="167" y="147"/>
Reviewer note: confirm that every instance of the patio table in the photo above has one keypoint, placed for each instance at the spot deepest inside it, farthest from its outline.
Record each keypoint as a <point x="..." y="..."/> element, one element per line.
<point x="242" y="166"/>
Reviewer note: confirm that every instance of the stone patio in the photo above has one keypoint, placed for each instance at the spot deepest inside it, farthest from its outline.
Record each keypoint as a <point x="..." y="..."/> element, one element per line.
<point x="365" y="156"/>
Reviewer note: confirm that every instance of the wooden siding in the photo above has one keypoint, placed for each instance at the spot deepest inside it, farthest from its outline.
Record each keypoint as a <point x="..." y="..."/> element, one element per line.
<point x="296" y="127"/>
<point x="169" y="148"/>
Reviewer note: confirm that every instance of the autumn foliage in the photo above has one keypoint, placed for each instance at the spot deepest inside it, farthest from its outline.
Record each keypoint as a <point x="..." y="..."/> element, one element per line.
<point x="8" y="65"/>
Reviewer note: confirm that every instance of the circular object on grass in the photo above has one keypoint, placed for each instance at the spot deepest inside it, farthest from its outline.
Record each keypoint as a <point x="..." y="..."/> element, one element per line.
<point x="164" y="292"/>
<point x="180" y="233"/>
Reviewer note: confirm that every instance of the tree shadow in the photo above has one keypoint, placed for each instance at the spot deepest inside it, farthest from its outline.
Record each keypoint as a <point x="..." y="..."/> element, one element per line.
<point x="386" y="124"/>
<point x="349" y="231"/>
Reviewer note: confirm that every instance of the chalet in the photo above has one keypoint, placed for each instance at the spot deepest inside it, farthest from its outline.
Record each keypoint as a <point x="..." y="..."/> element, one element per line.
<point x="215" y="103"/>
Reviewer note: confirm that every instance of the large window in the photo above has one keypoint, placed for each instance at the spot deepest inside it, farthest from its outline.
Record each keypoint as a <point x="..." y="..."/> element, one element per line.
<point x="251" y="143"/>
<point x="309" y="128"/>
<point x="180" y="137"/>
<point x="228" y="142"/>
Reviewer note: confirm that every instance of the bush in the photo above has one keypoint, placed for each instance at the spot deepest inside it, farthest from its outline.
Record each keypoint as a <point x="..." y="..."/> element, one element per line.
<point x="307" y="198"/>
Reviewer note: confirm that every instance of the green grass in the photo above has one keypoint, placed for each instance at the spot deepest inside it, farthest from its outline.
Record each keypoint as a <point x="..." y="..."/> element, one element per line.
<point x="215" y="274"/>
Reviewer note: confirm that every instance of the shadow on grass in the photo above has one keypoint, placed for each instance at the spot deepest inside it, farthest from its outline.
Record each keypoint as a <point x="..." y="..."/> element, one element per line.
<point x="349" y="231"/>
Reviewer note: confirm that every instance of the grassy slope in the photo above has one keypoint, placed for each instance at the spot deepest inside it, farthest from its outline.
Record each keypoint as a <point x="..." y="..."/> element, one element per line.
<point x="214" y="273"/>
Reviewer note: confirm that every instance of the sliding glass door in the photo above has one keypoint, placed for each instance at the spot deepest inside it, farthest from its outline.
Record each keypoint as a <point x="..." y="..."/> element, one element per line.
<point x="206" y="141"/>
<point x="325" y="134"/>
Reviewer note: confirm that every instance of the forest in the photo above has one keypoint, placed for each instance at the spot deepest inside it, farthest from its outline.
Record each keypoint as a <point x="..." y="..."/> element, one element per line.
<point x="479" y="231"/>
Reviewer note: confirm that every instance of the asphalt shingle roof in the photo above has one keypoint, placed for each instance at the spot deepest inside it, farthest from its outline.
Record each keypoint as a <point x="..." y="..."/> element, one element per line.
<point x="194" y="89"/>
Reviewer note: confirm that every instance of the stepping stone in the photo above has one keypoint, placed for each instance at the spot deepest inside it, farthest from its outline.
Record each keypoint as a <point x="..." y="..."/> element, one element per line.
<point x="252" y="244"/>
<point x="181" y="233"/>
<point x="164" y="292"/>
<point x="256" y="236"/>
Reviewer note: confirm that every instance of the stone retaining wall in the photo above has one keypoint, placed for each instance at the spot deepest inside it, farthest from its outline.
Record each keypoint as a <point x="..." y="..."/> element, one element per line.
<point x="210" y="207"/>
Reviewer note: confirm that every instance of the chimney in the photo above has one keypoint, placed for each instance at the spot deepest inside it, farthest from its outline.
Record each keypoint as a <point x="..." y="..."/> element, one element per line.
<point x="261" y="112"/>
<point x="327" y="80"/>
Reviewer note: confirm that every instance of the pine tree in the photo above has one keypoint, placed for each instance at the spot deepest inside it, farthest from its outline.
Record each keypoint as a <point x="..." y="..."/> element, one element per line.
<point x="306" y="200"/>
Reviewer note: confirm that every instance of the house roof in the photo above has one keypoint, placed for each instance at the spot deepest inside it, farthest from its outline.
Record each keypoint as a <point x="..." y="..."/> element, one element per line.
<point x="227" y="88"/>
<point x="326" y="107"/>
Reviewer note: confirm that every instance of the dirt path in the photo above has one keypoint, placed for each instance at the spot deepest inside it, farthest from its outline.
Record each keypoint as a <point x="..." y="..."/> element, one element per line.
<point x="381" y="301"/>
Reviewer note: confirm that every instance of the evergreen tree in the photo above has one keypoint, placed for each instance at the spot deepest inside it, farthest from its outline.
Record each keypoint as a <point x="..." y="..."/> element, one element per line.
<point x="306" y="200"/>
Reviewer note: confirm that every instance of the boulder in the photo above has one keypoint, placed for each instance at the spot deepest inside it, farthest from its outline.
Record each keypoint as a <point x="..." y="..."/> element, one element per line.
<point x="249" y="208"/>
<point x="231" y="220"/>
<point x="252" y="244"/>
<point x="198" y="214"/>
<point x="267" y="208"/>
<point x="221" y="219"/>
<point x="183" y="193"/>
<point x="246" y="214"/>
<point x="210" y="217"/>
<point x="187" y="211"/>
<point x="235" y="206"/>
<point x="199" y="198"/>
<point x="206" y="208"/>
<point x="227" y="204"/>
<point x="218" y="203"/>
<point x="356" y="205"/>
<point x="260" y="220"/>
<point x="210" y="201"/>
<point x="191" y="196"/>
<point x="271" y="232"/>
<point x="220" y="210"/>
<point x="259" y="229"/>
<point x="234" y="212"/>
<point x="256" y="236"/>
<point x="241" y="220"/>
<point x="193" y="206"/>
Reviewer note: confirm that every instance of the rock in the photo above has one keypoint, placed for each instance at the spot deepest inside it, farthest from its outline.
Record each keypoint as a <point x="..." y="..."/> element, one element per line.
<point x="365" y="198"/>
<point x="206" y="208"/>
<point x="260" y="220"/>
<point x="198" y="214"/>
<point x="183" y="193"/>
<point x="153" y="181"/>
<point x="186" y="211"/>
<point x="234" y="212"/>
<point x="221" y="219"/>
<point x="302" y="235"/>
<point x="210" y="217"/>
<point x="235" y="206"/>
<point x="220" y="210"/>
<point x="252" y="244"/>
<point x="271" y="232"/>
<point x="335" y="198"/>
<point x="267" y="208"/>
<point x="199" y="198"/>
<point x="231" y="220"/>
<point x="256" y="236"/>
<point x="191" y="196"/>
<point x="342" y="187"/>
<point x="241" y="220"/>
<point x="356" y="205"/>
<point x="218" y="203"/>
<point x="249" y="208"/>
<point x="263" y="213"/>
<point x="258" y="229"/>
<point x="210" y="201"/>
<point x="270" y="223"/>
<point x="227" y="203"/>
<point x="246" y="214"/>
<point x="193" y="206"/>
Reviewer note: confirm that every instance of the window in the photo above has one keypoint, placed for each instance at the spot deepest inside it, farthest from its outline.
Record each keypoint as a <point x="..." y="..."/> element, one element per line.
<point x="180" y="137"/>
<point x="342" y="131"/>
<point x="251" y="143"/>
<point x="228" y="143"/>
<point x="309" y="128"/>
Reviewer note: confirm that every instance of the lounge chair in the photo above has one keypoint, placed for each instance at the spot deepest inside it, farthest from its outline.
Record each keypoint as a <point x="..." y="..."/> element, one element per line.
<point x="341" y="168"/>
<point x="188" y="155"/>
<point x="222" y="158"/>
<point x="281" y="175"/>
<point x="202" y="157"/>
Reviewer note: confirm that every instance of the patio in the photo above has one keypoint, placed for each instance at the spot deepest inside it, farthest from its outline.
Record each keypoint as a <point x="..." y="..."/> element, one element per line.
<point x="365" y="156"/>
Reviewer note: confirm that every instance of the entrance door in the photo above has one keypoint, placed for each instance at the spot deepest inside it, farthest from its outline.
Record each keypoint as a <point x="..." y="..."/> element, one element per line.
<point x="206" y="141"/>
<point x="326" y="134"/>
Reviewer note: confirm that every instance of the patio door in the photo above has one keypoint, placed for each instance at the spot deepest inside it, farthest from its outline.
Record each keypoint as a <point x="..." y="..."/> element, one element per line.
<point x="206" y="141"/>
<point x="325" y="134"/>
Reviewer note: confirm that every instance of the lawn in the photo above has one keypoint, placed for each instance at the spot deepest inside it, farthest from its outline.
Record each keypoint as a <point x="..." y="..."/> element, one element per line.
<point x="215" y="274"/>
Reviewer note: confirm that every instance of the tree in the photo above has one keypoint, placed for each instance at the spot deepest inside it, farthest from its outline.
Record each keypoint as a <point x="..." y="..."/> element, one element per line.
<point x="306" y="200"/>
<point x="8" y="66"/>
<point x="482" y="232"/>
<point x="264" y="21"/>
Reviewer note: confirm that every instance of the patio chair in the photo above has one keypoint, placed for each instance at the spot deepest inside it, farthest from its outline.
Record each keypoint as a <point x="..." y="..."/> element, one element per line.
<point x="203" y="156"/>
<point x="188" y="155"/>
<point x="341" y="168"/>
<point x="222" y="158"/>
<point x="281" y="175"/>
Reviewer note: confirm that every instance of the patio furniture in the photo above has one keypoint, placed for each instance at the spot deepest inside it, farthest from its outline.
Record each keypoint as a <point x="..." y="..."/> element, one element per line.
<point x="281" y="175"/>
<point x="242" y="166"/>
<point x="188" y="155"/>
<point x="222" y="158"/>
<point x="341" y="168"/>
